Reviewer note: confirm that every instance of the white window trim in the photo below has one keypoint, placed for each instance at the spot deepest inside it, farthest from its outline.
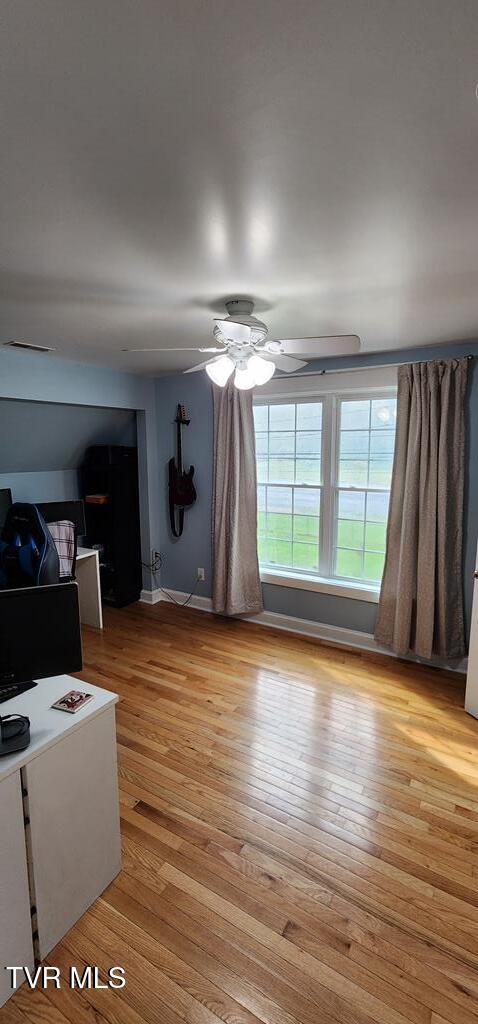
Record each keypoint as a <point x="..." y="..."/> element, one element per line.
<point x="382" y="380"/>
<point x="316" y="385"/>
<point x="321" y="585"/>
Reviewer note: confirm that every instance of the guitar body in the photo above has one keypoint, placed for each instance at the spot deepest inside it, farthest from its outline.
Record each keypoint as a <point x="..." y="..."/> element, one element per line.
<point x="182" y="491"/>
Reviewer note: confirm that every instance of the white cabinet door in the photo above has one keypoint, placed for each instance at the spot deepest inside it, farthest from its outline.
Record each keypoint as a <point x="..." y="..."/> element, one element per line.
<point x="471" y="696"/>
<point x="16" y="947"/>
<point x="74" y="825"/>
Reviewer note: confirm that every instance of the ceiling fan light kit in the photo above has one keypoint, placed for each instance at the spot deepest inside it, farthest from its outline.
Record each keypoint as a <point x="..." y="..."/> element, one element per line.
<point x="245" y="350"/>
<point x="262" y="370"/>
<point x="220" y="370"/>
<point x="251" y="371"/>
<point x="243" y="378"/>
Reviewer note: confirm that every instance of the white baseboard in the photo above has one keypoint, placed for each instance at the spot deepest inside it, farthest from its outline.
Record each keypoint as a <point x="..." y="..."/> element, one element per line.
<point x="150" y="596"/>
<point x="320" y="630"/>
<point x="203" y="604"/>
<point x="291" y="624"/>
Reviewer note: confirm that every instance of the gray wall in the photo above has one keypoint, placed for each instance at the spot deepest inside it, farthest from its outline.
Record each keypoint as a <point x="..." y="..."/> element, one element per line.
<point x="51" y="485"/>
<point x="43" y="443"/>
<point x="39" y="378"/>
<point x="43" y="379"/>
<point x="181" y="558"/>
<point x="51" y="436"/>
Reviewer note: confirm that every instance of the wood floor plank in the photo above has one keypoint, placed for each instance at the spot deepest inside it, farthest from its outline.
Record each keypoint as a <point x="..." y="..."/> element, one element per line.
<point x="300" y="834"/>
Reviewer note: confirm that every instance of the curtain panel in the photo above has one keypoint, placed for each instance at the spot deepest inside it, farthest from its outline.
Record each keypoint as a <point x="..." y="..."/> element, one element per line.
<point x="236" y="580"/>
<point x="421" y="599"/>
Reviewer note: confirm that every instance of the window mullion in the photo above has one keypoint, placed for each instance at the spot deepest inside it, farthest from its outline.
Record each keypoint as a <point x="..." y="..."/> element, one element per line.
<point x="327" y="496"/>
<point x="366" y="489"/>
<point x="293" y="488"/>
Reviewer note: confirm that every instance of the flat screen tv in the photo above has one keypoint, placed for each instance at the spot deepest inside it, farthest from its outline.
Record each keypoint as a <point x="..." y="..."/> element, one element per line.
<point x="40" y="635"/>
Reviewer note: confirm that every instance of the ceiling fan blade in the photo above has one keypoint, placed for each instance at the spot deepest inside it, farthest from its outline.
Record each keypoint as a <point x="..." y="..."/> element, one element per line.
<point x="338" y="345"/>
<point x="234" y="331"/>
<point x="282" y="362"/>
<point x="196" y="349"/>
<point x="200" y="366"/>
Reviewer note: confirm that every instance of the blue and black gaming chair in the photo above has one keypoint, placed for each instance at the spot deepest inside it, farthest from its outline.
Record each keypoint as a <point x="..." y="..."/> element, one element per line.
<point x="28" y="556"/>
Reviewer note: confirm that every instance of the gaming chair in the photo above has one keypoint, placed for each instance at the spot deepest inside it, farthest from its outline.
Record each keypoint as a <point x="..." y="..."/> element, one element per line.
<point x="28" y="556"/>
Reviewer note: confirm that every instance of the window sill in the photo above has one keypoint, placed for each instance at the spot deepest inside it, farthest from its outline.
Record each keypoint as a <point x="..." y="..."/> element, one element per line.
<point x="339" y="588"/>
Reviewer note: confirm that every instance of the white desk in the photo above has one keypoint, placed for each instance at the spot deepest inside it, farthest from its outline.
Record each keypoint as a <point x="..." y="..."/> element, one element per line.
<point x="69" y="850"/>
<point x="89" y="591"/>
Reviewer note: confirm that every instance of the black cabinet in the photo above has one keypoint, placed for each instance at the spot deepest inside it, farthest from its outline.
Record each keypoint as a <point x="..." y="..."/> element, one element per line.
<point x="109" y="487"/>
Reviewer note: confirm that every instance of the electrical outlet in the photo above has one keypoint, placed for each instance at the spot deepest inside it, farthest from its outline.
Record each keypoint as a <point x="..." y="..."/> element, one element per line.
<point x="201" y="576"/>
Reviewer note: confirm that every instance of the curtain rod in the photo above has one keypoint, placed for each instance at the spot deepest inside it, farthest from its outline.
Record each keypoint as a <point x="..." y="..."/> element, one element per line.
<point x="370" y="366"/>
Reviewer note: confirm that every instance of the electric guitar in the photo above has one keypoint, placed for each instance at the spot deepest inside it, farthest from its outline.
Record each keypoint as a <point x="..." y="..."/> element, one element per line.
<point x="182" y="492"/>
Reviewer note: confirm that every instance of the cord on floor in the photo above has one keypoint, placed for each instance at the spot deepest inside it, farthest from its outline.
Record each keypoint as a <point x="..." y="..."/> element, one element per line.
<point x="154" y="568"/>
<point x="180" y="604"/>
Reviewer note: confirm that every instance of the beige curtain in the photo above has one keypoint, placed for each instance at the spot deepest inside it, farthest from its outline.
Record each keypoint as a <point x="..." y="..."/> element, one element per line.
<point x="421" y="599"/>
<point x="236" y="581"/>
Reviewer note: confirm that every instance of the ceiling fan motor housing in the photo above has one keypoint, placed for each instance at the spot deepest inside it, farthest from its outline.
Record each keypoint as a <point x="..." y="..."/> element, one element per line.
<point x="240" y="312"/>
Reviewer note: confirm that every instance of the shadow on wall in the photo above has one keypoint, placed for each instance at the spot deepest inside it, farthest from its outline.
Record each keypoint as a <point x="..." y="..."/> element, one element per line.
<point x="43" y="444"/>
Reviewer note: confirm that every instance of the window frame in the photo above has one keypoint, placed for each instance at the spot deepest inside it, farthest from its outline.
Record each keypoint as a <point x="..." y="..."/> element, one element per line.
<point x="316" y="387"/>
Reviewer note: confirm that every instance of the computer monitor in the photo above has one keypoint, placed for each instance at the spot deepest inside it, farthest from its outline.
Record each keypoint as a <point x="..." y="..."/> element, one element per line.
<point x="39" y="635"/>
<point x="74" y="511"/>
<point x="5" y="502"/>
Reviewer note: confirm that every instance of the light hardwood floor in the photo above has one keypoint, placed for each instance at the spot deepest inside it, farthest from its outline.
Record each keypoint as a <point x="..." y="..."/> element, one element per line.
<point x="300" y="828"/>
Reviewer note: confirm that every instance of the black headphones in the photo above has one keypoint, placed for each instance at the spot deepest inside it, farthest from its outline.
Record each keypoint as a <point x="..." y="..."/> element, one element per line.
<point x="14" y="733"/>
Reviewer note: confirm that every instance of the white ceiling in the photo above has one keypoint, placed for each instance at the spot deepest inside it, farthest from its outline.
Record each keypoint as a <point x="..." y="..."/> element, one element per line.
<point x="158" y="155"/>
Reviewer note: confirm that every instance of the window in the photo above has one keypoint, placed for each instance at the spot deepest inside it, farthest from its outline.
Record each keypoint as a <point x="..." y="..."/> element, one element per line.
<point x="324" y="468"/>
<point x="289" y="447"/>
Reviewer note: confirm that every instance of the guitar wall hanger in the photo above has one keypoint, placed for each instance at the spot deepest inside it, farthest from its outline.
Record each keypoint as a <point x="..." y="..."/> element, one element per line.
<point x="182" y="493"/>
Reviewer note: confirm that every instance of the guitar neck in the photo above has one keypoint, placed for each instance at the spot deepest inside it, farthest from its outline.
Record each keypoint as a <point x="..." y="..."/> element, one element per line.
<point x="179" y="444"/>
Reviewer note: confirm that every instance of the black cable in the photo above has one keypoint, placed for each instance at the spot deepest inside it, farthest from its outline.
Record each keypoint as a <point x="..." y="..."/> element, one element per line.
<point x="180" y="604"/>
<point x="154" y="568"/>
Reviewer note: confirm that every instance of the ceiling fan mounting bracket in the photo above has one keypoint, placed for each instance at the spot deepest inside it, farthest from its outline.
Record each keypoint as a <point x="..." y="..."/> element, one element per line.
<point x="239" y="307"/>
<point x="240" y="313"/>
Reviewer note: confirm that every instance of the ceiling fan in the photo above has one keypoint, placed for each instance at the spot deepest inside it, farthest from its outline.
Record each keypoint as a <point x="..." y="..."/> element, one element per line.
<point x="243" y="346"/>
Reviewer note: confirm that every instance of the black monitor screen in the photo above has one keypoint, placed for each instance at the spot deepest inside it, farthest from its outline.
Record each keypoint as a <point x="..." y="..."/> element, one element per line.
<point x="5" y="502"/>
<point x="39" y="632"/>
<point x="74" y="511"/>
